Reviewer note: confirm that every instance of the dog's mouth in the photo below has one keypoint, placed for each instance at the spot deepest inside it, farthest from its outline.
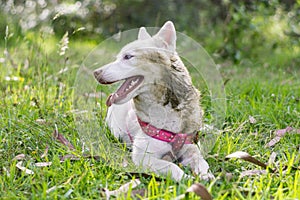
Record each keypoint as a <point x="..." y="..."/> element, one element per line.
<point x="127" y="87"/>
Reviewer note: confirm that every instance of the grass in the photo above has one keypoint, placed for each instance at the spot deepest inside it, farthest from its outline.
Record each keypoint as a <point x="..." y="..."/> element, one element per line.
<point x="33" y="87"/>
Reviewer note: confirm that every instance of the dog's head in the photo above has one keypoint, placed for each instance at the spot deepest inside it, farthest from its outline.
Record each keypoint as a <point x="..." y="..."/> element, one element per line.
<point x="140" y="62"/>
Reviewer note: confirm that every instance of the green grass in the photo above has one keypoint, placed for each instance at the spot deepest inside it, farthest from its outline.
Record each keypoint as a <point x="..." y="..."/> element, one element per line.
<point x="41" y="91"/>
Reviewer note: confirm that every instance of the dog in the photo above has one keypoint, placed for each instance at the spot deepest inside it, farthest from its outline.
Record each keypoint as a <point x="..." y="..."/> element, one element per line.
<point x="156" y="110"/>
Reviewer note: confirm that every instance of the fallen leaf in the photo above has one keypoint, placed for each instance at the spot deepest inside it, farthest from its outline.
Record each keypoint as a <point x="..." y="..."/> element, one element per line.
<point x="200" y="191"/>
<point x="69" y="156"/>
<point x="77" y="157"/>
<point x="252" y="172"/>
<point x="24" y="169"/>
<point x="43" y="164"/>
<point x="275" y="140"/>
<point x="59" y="137"/>
<point x="19" y="157"/>
<point x="40" y="121"/>
<point x="123" y="189"/>
<point x="245" y="156"/>
<point x="272" y="158"/>
<point x="96" y="158"/>
<point x="280" y="133"/>
<point x="54" y="188"/>
<point x="51" y="189"/>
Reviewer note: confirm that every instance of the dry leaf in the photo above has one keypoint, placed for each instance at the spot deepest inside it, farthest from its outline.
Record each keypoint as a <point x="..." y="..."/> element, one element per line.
<point x="76" y="157"/>
<point x="200" y="191"/>
<point x="27" y="171"/>
<point x="97" y="158"/>
<point x="19" y="157"/>
<point x="123" y="189"/>
<point x="272" y="158"/>
<point x="69" y="156"/>
<point x="237" y="154"/>
<point x="40" y="121"/>
<point x="43" y="164"/>
<point x="245" y="156"/>
<point x="280" y="133"/>
<point x="54" y="188"/>
<point x="274" y="141"/>
<point x="59" y="137"/>
<point x="252" y="173"/>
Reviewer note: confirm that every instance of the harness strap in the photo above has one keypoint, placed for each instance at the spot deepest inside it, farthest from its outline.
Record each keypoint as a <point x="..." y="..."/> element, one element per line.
<point x="177" y="140"/>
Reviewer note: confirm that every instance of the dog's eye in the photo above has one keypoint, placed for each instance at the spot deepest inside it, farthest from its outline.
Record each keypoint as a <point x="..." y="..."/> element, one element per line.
<point x="127" y="57"/>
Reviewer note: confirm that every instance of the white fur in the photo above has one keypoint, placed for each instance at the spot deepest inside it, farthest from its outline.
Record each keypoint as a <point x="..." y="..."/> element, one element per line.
<point x="166" y="99"/>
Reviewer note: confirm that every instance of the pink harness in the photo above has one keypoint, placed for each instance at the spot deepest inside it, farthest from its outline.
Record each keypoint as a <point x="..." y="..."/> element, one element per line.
<point x="177" y="140"/>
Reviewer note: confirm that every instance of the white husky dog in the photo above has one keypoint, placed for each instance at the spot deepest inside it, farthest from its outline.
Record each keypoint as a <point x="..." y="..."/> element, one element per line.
<point x="156" y="110"/>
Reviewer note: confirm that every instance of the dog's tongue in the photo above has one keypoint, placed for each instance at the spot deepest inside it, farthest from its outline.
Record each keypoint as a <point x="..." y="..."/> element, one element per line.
<point x="110" y="100"/>
<point x="129" y="85"/>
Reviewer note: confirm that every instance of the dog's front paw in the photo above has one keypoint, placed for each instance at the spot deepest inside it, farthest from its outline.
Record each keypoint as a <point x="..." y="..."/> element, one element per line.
<point x="202" y="170"/>
<point x="207" y="177"/>
<point x="185" y="176"/>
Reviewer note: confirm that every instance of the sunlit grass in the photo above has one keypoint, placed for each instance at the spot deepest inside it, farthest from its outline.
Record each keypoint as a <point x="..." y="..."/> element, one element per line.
<point x="42" y="90"/>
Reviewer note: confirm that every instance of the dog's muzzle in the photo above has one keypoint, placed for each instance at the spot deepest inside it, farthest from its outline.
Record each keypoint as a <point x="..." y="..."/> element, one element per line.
<point x="98" y="74"/>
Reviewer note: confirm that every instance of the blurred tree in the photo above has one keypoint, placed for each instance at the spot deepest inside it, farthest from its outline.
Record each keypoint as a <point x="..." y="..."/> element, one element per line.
<point x="232" y="21"/>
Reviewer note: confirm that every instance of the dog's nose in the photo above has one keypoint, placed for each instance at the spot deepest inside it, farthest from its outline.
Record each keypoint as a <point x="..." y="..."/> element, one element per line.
<point x="97" y="74"/>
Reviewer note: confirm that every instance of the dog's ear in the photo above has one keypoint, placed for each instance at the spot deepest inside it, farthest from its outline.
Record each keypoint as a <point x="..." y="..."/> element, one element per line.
<point x="143" y="34"/>
<point x="168" y="34"/>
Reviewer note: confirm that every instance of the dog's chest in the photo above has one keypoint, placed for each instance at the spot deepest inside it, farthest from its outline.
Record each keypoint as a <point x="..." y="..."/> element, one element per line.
<point x="163" y="109"/>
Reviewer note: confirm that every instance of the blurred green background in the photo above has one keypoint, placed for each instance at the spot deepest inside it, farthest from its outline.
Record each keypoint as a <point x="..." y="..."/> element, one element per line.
<point x="235" y="31"/>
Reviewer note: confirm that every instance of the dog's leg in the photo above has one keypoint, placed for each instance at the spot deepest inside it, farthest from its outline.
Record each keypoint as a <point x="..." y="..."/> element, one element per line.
<point x="159" y="166"/>
<point x="122" y="121"/>
<point x="190" y="155"/>
<point x="147" y="153"/>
